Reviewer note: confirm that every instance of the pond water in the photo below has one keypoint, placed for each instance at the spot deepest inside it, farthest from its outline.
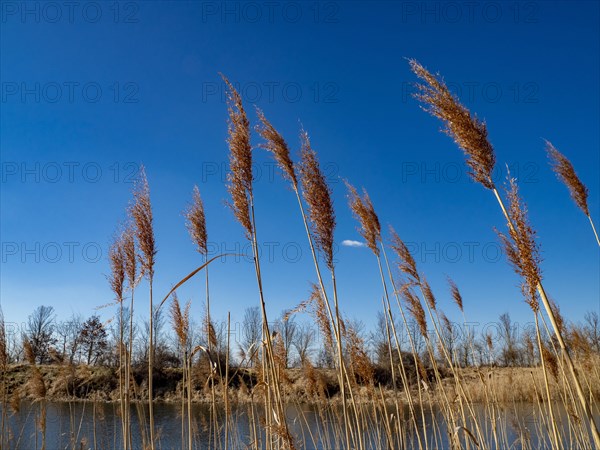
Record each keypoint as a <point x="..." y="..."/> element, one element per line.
<point x="87" y="425"/>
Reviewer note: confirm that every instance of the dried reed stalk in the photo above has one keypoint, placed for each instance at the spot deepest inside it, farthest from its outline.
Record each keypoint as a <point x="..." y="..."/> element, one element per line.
<point x="141" y="213"/>
<point x="471" y="136"/>
<point x="241" y="190"/>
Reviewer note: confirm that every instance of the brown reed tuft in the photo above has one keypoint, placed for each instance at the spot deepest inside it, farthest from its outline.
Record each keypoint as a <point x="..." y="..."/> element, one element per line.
<point x="196" y="222"/>
<point x="141" y="213"/>
<point x="521" y="247"/>
<point x="129" y="253"/>
<point x="240" y="159"/>
<point x="428" y="294"/>
<point x="414" y="308"/>
<point x="455" y="294"/>
<point x="318" y="310"/>
<point x="275" y="144"/>
<point x="469" y="133"/>
<point x="180" y="320"/>
<point x="550" y="360"/>
<point x="28" y="351"/>
<point x="566" y="173"/>
<point x="318" y="197"/>
<point x="359" y="360"/>
<point x="407" y="263"/>
<point x="116" y="256"/>
<point x="364" y="212"/>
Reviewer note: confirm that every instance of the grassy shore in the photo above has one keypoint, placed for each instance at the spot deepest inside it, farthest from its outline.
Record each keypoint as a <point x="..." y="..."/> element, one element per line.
<point x="78" y="383"/>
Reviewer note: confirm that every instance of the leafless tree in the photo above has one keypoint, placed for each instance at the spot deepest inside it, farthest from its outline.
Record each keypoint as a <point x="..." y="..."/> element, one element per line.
<point x="40" y="330"/>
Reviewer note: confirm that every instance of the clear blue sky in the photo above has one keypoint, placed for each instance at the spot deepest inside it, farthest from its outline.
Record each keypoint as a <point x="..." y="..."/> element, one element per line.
<point x="90" y="93"/>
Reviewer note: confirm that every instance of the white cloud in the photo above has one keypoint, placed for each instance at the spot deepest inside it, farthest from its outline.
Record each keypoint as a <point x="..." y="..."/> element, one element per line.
<point x="350" y="243"/>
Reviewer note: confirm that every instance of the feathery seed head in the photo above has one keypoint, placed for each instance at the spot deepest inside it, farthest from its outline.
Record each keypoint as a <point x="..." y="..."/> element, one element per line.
<point x="566" y="173"/>
<point x="180" y="320"/>
<point x="116" y="256"/>
<point x="469" y="133"/>
<point x="196" y="222"/>
<point x="275" y="144"/>
<point x="318" y="197"/>
<point x="407" y="263"/>
<point x="364" y="212"/>
<point x="141" y="213"/>
<point x="521" y="247"/>
<point x="456" y="294"/>
<point x="240" y="176"/>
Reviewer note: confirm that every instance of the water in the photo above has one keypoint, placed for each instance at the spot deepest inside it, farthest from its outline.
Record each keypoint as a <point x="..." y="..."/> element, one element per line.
<point x="87" y="425"/>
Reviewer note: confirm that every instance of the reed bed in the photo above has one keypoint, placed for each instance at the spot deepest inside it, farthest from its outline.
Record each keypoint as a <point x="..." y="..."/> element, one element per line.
<point x="431" y="400"/>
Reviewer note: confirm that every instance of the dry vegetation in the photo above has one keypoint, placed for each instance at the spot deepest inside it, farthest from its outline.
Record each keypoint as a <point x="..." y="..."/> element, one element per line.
<point x="417" y="394"/>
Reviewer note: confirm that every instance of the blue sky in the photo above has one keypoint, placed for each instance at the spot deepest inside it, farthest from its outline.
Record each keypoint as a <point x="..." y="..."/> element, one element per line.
<point x="91" y="93"/>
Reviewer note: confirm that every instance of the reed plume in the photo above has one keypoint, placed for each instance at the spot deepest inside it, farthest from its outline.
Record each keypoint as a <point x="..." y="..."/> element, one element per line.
<point x="181" y="321"/>
<point x="415" y="308"/>
<point x="521" y="247"/>
<point x="141" y="213"/>
<point x="240" y="176"/>
<point x="364" y="212"/>
<point x="196" y="222"/>
<point x="456" y="296"/>
<point x="275" y="143"/>
<point x="406" y="262"/>
<point x="469" y="133"/>
<point x="565" y="172"/>
<point x="317" y="195"/>
<point x="116" y="257"/>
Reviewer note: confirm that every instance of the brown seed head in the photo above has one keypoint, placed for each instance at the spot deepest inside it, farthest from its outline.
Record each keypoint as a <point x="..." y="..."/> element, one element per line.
<point x="275" y="144"/>
<point x="141" y="213"/>
<point x="317" y="195"/>
<point x="116" y="256"/>
<point x="428" y="294"/>
<point x="240" y="159"/>
<point x="129" y="253"/>
<point x="521" y="247"/>
<point x="456" y="294"/>
<point x="566" y="173"/>
<point x="469" y="133"/>
<point x="319" y="311"/>
<point x="196" y="222"/>
<point x="414" y="308"/>
<point x="364" y="212"/>
<point x="406" y="261"/>
<point x="180" y="320"/>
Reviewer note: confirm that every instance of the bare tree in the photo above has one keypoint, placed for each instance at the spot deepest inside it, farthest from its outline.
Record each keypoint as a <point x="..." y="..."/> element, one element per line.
<point x="40" y="329"/>
<point x="286" y="327"/>
<point x="68" y="332"/>
<point x="509" y="354"/>
<point x="303" y="341"/>
<point x="251" y="333"/>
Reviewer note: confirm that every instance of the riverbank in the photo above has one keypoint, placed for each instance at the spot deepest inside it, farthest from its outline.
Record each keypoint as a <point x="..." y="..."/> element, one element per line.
<point x="78" y="383"/>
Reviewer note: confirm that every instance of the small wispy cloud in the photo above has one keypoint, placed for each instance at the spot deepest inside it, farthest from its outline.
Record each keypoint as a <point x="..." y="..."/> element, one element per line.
<point x="350" y="243"/>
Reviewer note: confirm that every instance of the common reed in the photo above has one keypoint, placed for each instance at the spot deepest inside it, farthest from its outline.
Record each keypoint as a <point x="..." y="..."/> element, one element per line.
<point x="240" y="188"/>
<point x="141" y="213"/>
<point x="470" y="135"/>
<point x="564" y="170"/>
<point x="117" y="277"/>
<point x="181" y="325"/>
<point x="319" y="225"/>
